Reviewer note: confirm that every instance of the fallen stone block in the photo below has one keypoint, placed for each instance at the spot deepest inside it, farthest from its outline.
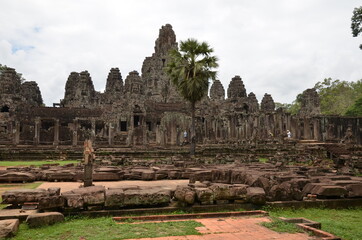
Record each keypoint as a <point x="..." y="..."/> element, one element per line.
<point x="94" y="195"/>
<point x="51" y="202"/>
<point x="19" y="196"/>
<point x="205" y="195"/>
<point x="8" y="228"/>
<point x="330" y="191"/>
<point x="73" y="200"/>
<point x="255" y="195"/>
<point x="44" y="219"/>
<point x="354" y="190"/>
<point x="17" y="177"/>
<point x="185" y="194"/>
<point x="114" y="198"/>
<point x="147" y="197"/>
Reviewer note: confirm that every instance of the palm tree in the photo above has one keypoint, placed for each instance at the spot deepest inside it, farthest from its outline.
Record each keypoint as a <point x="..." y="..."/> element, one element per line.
<point x="190" y="69"/>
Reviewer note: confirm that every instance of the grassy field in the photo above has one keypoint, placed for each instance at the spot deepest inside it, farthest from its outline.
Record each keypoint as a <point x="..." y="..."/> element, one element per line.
<point x="35" y="163"/>
<point x="344" y="223"/>
<point x="105" y="228"/>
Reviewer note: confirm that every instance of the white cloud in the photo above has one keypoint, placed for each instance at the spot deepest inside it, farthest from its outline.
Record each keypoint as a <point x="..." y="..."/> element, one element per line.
<point x="280" y="47"/>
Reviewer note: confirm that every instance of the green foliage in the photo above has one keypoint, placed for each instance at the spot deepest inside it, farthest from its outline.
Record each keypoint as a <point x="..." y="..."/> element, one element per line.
<point x="356" y="109"/>
<point x="190" y="69"/>
<point x="337" y="96"/>
<point x="105" y="228"/>
<point x="278" y="225"/>
<point x="344" y="223"/>
<point x="356" y="23"/>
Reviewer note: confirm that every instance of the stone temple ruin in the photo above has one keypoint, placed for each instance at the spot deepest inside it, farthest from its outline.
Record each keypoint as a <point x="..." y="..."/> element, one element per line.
<point x="146" y="110"/>
<point x="143" y="116"/>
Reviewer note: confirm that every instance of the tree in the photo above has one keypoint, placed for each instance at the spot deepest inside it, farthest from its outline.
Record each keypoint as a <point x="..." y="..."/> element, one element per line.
<point x="356" y="23"/>
<point x="356" y="109"/>
<point x="337" y="96"/>
<point x="190" y="69"/>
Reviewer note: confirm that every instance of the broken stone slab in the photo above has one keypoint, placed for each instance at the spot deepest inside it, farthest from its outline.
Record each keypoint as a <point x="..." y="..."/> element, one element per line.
<point x="8" y="228"/>
<point x="17" y="177"/>
<point x="19" y="196"/>
<point x="147" y="197"/>
<point x="93" y="195"/>
<point x="255" y="195"/>
<point x="205" y="195"/>
<point x="330" y="191"/>
<point x="354" y="190"/>
<point x="44" y="219"/>
<point x="114" y="197"/>
<point x="73" y="200"/>
<point x="106" y="176"/>
<point x="185" y="194"/>
<point x="51" y="202"/>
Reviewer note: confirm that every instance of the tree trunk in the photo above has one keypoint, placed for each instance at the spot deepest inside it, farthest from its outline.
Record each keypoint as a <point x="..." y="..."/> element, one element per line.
<point x="193" y="134"/>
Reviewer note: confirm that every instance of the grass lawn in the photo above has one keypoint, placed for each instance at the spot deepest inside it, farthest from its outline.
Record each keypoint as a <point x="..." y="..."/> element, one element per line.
<point x="105" y="228"/>
<point x="35" y="163"/>
<point x="344" y="223"/>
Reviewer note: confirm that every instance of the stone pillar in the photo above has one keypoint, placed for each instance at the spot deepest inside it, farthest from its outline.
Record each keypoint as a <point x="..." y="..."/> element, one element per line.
<point x="88" y="163"/>
<point x="316" y="129"/>
<point x="307" y="132"/>
<point x="75" y="132"/>
<point x="110" y="134"/>
<point x="37" y="131"/>
<point x="93" y="130"/>
<point x="16" y="132"/>
<point x="56" y="132"/>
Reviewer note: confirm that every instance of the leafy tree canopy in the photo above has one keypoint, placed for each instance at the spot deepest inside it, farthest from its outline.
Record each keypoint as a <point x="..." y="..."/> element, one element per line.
<point x="356" y="24"/>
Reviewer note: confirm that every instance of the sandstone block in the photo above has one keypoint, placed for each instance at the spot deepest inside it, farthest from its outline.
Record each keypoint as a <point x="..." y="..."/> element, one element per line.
<point x="8" y="228"/>
<point x="44" y="219"/>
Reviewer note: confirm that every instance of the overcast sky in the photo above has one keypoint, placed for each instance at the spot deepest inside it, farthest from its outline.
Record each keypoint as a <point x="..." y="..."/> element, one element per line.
<point x="279" y="47"/>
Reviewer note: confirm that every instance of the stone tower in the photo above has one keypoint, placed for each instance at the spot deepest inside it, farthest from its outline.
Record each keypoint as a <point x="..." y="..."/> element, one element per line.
<point x="310" y="104"/>
<point x="236" y="88"/>
<point x="134" y="83"/>
<point x="79" y="90"/>
<point x="157" y="84"/>
<point x="31" y="92"/>
<point x="114" y="85"/>
<point x="253" y="103"/>
<point x="267" y="104"/>
<point x="217" y="91"/>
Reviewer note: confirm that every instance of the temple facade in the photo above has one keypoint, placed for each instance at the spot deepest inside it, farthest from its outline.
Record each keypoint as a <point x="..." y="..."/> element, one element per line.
<point x="145" y="109"/>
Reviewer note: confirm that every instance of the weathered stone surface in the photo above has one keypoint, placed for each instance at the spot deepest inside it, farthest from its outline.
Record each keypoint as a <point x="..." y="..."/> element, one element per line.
<point x="17" y="177"/>
<point x="205" y="195"/>
<point x="51" y="202"/>
<point x="44" y="219"/>
<point x="19" y="196"/>
<point x="354" y="190"/>
<point x="147" y="197"/>
<point x="185" y="194"/>
<point x="114" y="197"/>
<point x="330" y="191"/>
<point x="255" y="195"/>
<point x="8" y="228"/>
<point x="94" y="195"/>
<point x="73" y="200"/>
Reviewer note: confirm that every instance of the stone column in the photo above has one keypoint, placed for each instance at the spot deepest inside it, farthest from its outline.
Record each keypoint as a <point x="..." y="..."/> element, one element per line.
<point x="316" y="129"/>
<point x="88" y="163"/>
<point x="75" y="133"/>
<point x="37" y="127"/>
<point x="56" y="132"/>
<point x="16" y="132"/>
<point x="93" y="130"/>
<point x="307" y="133"/>
<point x="110" y="134"/>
